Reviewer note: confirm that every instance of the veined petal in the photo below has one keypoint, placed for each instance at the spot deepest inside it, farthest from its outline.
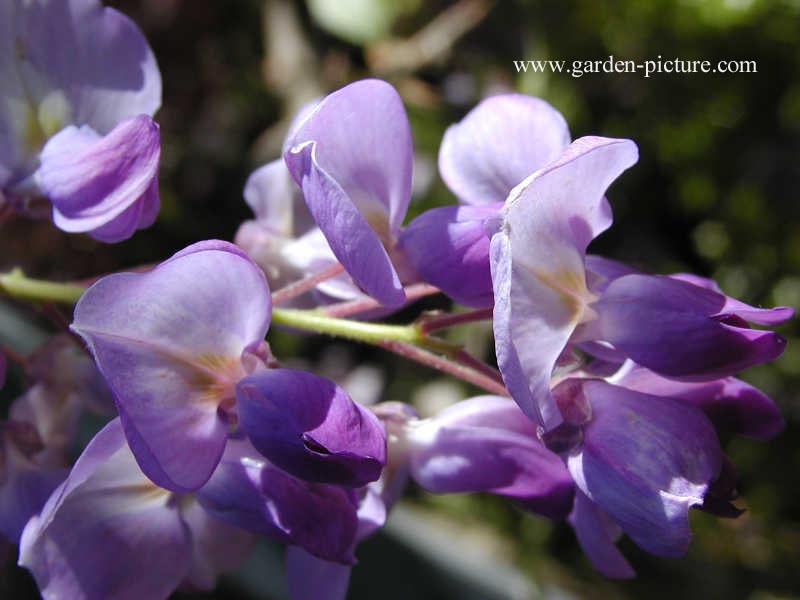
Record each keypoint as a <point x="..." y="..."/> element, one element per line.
<point x="449" y="247"/>
<point x="537" y="262"/>
<point x="645" y="460"/>
<point x="732" y="306"/>
<point x="309" y="426"/>
<point x="498" y="144"/>
<point x="249" y="492"/>
<point x="363" y="142"/>
<point x="106" y="184"/>
<point x="74" y="61"/>
<point x="731" y="404"/>
<point x="463" y="452"/>
<point x="169" y="343"/>
<point x="677" y="328"/>
<point x="107" y="531"/>
<point x="350" y="235"/>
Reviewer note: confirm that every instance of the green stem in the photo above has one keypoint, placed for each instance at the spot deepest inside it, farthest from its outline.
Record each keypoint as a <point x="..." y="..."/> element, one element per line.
<point x="16" y="284"/>
<point x="371" y="333"/>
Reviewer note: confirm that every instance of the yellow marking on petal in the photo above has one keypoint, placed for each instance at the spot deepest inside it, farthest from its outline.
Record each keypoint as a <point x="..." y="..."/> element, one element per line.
<point x="571" y="289"/>
<point x="216" y="377"/>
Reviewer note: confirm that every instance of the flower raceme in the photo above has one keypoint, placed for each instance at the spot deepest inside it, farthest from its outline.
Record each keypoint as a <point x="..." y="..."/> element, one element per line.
<point x="182" y="349"/>
<point x="80" y="85"/>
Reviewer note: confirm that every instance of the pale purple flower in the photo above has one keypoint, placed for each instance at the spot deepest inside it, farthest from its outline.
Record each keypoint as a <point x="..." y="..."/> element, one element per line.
<point x="483" y="444"/>
<point x="352" y="157"/>
<point x="487" y="444"/>
<point x="639" y="463"/>
<point x="80" y="85"/>
<point x="283" y="238"/>
<point x="546" y="299"/>
<point x="482" y="158"/>
<point x="174" y="342"/>
<point x="108" y="531"/>
<point x="42" y="427"/>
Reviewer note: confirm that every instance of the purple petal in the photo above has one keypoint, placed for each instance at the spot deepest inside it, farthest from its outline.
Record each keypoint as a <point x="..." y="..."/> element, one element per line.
<point x="276" y="201"/>
<point x="537" y="262"/>
<point x="645" y="461"/>
<point x="248" y="492"/>
<point x="311" y="578"/>
<point x="677" y="329"/>
<point x="759" y="316"/>
<point x="498" y="144"/>
<point x="601" y="271"/>
<point x="467" y="451"/>
<point x="351" y="237"/>
<point x="363" y="142"/>
<point x="169" y="343"/>
<point x="449" y="247"/>
<point x="217" y="546"/>
<point x="352" y="157"/>
<point x="107" y="531"/>
<point x="72" y="62"/>
<point x="24" y="490"/>
<point x="597" y="535"/>
<point x="93" y="54"/>
<point x="105" y="185"/>
<point x="731" y="404"/>
<point x="310" y="427"/>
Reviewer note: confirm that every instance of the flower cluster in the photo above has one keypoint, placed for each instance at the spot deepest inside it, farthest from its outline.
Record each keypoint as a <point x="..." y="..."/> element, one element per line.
<point x="611" y="384"/>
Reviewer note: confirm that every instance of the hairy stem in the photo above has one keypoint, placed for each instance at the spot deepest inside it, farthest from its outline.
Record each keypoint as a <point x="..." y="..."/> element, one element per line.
<point x="371" y="333"/>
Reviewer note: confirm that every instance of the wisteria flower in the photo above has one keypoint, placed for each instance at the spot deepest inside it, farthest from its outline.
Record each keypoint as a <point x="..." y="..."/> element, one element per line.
<point x="545" y="299"/>
<point x="80" y="85"/>
<point x="497" y="145"/>
<point x="352" y="157"/>
<point x="109" y="531"/>
<point x="174" y="343"/>
<point x="639" y="462"/>
<point x="283" y="239"/>
<point x="42" y="427"/>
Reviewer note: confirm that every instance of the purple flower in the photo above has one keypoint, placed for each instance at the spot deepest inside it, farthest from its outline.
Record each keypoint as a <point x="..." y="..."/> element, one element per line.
<point x="42" y="427"/>
<point x="80" y="86"/>
<point x="283" y="239"/>
<point x="546" y="299"/>
<point x="248" y="491"/>
<point x="352" y="157"/>
<point x="311" y="577"/>
<point x="497" y="145"/>
<point x="108" y="531"/>
<point x="487" y="444"/>
<point x="639" y="461"/>
<point x="174" y="342"/>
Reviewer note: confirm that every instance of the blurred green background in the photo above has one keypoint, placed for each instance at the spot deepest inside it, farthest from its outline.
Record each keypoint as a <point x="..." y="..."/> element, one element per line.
<point x="714" y="192"/>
